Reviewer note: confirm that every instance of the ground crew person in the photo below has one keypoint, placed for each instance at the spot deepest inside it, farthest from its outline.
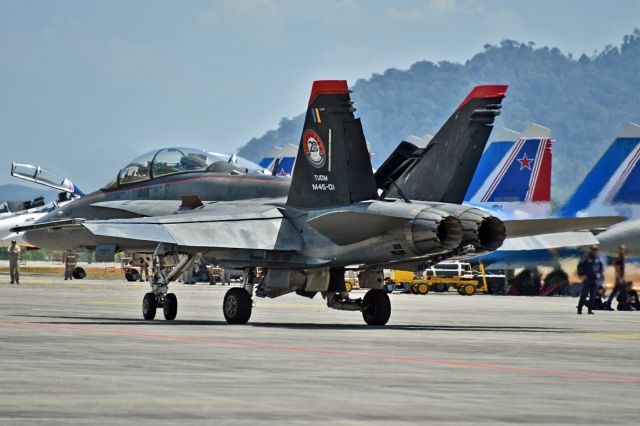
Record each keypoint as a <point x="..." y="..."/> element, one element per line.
<point x="620" y="286"/>
<point x="144" y="271"/>
<point x="69" y="265"/>
<point x="14" y="262"/>
<point x="590" y="270"/>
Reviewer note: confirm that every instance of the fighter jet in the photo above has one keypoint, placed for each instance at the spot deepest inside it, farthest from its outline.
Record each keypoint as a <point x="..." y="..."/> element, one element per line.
<point x="36" y="209"/>
<point x="332" y="219"/>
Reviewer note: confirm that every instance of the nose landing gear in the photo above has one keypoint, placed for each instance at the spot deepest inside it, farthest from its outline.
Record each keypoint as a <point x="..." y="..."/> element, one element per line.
<point x="159" y="297"/>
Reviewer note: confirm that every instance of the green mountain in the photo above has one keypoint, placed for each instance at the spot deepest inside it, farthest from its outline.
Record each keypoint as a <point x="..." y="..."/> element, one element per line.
<point x="585" y="101"/>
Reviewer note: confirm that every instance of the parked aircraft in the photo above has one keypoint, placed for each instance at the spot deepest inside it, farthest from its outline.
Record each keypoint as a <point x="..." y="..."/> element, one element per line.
<point x="611" y="187"/>
<point x="36" y="209"/>
<point x="332" y="218"/>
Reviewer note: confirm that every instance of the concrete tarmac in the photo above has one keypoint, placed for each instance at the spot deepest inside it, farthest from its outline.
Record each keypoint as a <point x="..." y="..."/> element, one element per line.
<point x="79" y="353"/>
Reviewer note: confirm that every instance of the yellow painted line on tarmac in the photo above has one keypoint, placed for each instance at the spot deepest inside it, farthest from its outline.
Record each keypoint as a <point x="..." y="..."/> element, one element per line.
<point x="613" y="336"/>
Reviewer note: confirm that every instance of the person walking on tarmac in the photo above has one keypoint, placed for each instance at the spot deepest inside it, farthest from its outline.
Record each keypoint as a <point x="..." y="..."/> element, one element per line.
<point x="14" y="262"/>
<point x="620" y="286"/>
<point x="590" y="270"/>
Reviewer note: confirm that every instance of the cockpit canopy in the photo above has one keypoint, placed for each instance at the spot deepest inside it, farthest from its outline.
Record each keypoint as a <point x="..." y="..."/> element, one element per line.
<point x="169" y="161"/>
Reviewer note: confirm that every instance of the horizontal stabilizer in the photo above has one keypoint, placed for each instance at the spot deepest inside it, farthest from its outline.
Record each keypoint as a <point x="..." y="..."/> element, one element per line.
<point x="348" y="227"/>
<point x="524" y="228"/>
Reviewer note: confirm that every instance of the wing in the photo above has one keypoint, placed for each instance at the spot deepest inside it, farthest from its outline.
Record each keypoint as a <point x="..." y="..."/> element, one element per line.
<point x="231" y="226"/>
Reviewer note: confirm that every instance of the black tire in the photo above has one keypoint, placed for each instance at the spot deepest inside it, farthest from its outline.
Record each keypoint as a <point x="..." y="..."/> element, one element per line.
<point x="128" y="276"/>
<point x="79" y="273"/>
<point x="527" y="283"/>
<point x="237" y="306"/>
<point x="149" y="306"/>
<point x="558" y="278"/>
<point x="170" y="307"/>
<point x="377" y="307"/>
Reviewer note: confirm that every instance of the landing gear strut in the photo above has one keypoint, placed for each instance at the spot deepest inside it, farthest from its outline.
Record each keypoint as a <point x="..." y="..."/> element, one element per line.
<point x="375" y="306"/>
<point x="159" y="297"/>
<point x="237" y="305"/>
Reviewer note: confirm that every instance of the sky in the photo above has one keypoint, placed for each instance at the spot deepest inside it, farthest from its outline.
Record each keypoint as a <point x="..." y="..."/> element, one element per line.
<point x="86" y="86"/>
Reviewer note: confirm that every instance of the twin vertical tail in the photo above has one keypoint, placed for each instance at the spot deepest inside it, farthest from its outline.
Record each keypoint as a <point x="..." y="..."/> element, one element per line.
<point x="332" y="167"/>
<point x="443" y="170"/>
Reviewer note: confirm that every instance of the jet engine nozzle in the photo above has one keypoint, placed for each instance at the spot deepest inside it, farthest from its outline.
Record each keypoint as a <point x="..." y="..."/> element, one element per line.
<point x="491" y="233"/>
<point x="480" y="229"/>
<point x="432" y="231"/>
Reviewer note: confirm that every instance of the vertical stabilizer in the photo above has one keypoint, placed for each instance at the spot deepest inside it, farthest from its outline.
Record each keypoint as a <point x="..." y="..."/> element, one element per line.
<point x="332" y="167"/>
<point x="444" y="169"/>
<point x="521" y="178"/>
<point x="613" y="184"/>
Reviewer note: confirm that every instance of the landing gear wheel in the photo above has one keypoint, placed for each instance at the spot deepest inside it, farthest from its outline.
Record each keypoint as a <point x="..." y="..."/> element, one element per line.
<point x="237" y="306"/>
<point x="377" y="307"/>
<point x="170" y="307"/>
<point x="468" y="289"/>
<point x="149" y="305"/>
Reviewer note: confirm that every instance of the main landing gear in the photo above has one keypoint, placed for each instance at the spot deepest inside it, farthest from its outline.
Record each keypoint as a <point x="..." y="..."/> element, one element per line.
<point x="375" y="306"/>
<point x="159" y="296"/>
<point x="237" y="305"/>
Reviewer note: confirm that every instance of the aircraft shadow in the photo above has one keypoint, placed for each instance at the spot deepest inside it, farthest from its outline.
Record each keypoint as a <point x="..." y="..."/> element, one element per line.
<point x="79" y="321"/>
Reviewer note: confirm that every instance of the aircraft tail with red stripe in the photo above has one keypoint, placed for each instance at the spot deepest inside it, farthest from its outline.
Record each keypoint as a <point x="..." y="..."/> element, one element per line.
<point x="514" y="174"/>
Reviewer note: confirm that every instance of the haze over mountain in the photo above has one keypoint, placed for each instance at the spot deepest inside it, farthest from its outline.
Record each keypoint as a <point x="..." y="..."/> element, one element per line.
<point x="585" y="101"/>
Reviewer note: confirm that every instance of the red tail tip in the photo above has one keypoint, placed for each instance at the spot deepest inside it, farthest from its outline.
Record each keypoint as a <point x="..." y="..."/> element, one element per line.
<point x="484" y="92"/>
<point x="327" y="87"/>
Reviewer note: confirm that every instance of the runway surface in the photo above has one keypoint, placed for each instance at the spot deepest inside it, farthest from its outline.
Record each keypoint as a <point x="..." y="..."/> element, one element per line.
<point x="79" y="353"/>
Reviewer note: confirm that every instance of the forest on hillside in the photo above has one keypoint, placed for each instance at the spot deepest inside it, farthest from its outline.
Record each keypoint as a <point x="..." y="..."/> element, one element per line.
<point x="586" y="101"/>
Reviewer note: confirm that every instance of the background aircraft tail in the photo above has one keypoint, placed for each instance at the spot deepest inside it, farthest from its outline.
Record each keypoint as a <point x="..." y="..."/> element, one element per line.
<point x="613" y="184"/>
<point x="443" y="170"/>
<point x="514" y="173"/>
<point x="280" y="161"/>
<point x="332" y="167"/>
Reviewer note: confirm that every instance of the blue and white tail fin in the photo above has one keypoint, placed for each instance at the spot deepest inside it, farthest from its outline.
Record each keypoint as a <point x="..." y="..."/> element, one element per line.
<point x="613" y="184"/>
<point x="269" y="157"/>
<point x="280" y="161"/>
<point x="514" y="174"/>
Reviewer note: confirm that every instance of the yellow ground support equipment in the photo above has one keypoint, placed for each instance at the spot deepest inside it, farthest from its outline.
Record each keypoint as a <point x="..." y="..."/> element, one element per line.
<point x="440" y="277"/>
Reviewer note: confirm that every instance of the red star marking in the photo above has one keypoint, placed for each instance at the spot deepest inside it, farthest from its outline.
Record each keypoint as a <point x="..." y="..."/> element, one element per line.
<point x="525" y="163"/>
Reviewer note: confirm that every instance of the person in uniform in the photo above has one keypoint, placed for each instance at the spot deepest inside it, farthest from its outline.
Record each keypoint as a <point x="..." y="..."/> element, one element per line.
<point x="620" y="287"/>
<point x="69" y="265"/>
<point x="590" y="270"/>
<point x="14" y="262"/>
<point x="144" y="271"/>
